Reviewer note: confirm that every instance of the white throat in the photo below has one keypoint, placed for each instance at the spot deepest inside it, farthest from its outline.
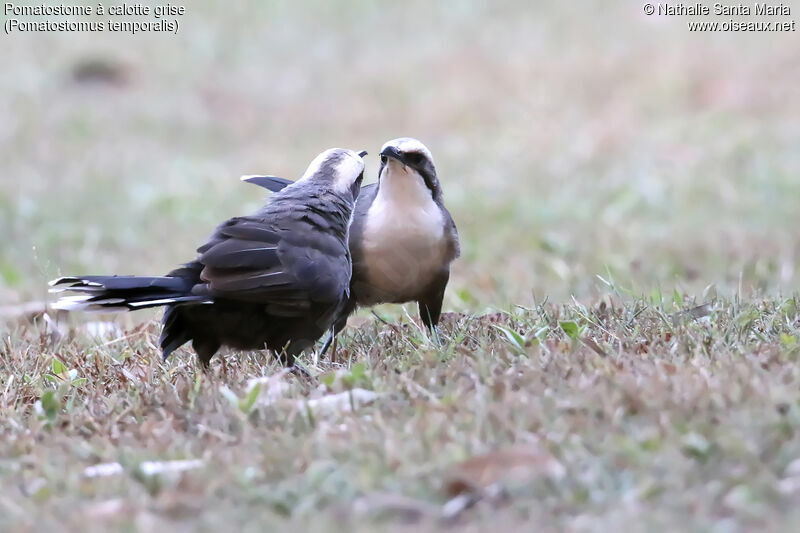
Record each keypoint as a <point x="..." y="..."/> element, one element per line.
<point x="403" y="186"/>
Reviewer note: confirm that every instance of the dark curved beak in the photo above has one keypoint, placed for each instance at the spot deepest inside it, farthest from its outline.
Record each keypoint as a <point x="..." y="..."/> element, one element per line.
<point x="394" y="153"/>
<point x="362" y="153"/>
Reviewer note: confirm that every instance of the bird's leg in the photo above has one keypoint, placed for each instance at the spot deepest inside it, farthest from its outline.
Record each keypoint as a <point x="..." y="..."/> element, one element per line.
<point x="205" y="350"/>
<point x="429" y="311"/>
<point x="435" y="336"/>
<point x="337" y="326"/>
<point x="327" y="343"/>
<point x="381" y="319"/>
<point x="299" y="370"/>
<point x="288" y="358"/>
<point x="332" y="337"/>
<point x="225" y="368"/>
<point x="303" y="375"/>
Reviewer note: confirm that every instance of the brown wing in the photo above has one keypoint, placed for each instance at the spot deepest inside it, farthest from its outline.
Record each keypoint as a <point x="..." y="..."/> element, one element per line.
<point x="452" y="235"/>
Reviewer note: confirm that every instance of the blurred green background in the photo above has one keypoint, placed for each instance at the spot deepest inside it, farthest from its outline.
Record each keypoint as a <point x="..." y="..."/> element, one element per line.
<point x="571" y="139"/>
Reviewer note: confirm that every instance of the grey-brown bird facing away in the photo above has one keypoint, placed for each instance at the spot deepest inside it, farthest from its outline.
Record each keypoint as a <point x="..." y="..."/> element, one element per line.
<point x="402" y="237"/>
<point x="276" y="279"/>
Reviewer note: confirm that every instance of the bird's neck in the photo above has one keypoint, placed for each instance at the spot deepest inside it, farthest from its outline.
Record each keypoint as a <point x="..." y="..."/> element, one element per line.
<point x="403" y="187"/>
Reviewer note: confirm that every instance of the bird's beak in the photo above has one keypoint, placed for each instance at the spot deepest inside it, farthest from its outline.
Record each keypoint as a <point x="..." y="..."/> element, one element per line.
<point x="362" y="153"/>
<point x="394" y="153"/>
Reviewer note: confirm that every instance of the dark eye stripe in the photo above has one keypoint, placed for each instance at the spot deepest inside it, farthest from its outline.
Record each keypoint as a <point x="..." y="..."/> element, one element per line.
<point x="415" y="158"/>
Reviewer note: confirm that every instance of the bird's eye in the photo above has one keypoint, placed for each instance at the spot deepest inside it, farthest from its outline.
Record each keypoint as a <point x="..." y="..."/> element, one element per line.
<point x="384" y="159"/>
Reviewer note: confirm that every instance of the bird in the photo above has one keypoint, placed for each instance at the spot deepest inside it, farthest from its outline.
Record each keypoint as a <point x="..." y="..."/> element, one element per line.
<point x="275" y="279"/>
<point x="402" y="239"/>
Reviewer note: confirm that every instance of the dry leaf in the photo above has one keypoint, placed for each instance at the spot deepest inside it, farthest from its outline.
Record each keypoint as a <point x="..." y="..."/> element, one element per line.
<point x="591" y="343"/>
<point x="102" y="470"/>
<point x="271" y="388"/>
<point x="343" y="401"/>
<point x="152" y="468"/>
<point x="147" y="468"/>
<point x="513" y="465"/>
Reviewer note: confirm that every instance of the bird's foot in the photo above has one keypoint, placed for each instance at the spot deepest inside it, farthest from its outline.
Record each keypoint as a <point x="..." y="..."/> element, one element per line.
<point x="302" y="374"/>
<point x="380" y="318"/>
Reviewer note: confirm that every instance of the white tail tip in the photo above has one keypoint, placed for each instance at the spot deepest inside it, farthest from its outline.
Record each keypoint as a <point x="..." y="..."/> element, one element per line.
<point x="72" y="303"/>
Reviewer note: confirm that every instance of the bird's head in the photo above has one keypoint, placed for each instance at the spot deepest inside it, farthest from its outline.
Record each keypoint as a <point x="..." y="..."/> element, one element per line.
<point x="339" y="169"/>
<point x="409" y="156"/>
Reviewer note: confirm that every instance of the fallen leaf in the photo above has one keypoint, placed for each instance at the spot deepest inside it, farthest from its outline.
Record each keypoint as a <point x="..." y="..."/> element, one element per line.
<point x="102" y="470"/>
<point x="513" y="465"/>
<point x="343" y="401"/>
<point x="271" y="388"/>
<point x="591" y="343"/>
<point x="694" y="313"/>
<point x="669" y="368"/>
<point x="152" y="468"/>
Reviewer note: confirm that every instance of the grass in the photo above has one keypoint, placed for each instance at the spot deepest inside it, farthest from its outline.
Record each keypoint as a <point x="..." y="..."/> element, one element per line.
<point x="659" y="414"/>
<point x="623" y="334"/>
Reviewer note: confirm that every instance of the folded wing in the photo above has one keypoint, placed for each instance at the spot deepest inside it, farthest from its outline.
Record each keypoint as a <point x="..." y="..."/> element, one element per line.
<point x="287" y="267"/>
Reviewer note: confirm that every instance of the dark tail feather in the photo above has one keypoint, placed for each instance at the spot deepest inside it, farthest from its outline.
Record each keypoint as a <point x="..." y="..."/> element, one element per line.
<point x="173" y="333"/>
<point x="272" y="183"/>
<point x="122" y="293"/>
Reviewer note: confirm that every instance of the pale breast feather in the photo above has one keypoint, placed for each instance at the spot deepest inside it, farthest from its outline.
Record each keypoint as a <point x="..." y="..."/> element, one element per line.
<point x="404" y="241"/>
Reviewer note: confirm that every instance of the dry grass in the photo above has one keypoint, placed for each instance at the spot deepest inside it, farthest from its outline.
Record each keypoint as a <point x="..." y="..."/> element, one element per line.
<point x="571" y="141"/>
<point x="639" y="415"/>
